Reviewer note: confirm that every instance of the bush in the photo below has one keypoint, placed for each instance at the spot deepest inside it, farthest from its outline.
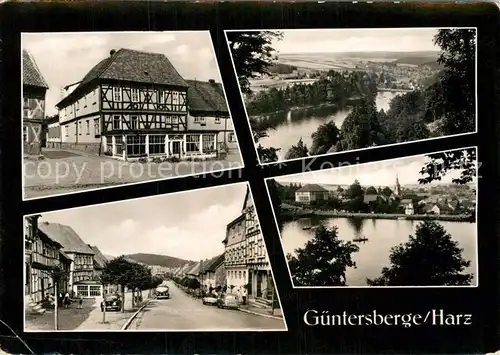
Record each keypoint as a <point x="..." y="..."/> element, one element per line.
<point x="156" y="160"/>
<point x="143" y="160"/>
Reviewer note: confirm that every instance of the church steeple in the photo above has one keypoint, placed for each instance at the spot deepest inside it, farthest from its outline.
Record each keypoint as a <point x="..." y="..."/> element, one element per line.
<point x="397" y="190"/>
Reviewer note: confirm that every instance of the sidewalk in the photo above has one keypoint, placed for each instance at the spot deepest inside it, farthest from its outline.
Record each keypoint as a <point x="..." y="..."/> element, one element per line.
<point x="114" y="320"/>
<point x="261" y="311"/>
<point x="68" y="318"/>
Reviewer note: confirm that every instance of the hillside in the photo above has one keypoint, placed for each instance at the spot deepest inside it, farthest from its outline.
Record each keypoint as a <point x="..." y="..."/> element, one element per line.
<point x="155" y="259"/>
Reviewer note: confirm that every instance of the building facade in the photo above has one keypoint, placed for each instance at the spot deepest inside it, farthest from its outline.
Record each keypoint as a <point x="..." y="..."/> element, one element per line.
<point x="235" y="253"/>
<point x="214" y="273"/>
<point x="310" y="193"/>
<point x="135" y="105"/>
<point x="246" y="259"/>
<point x="41" y="259"/>
<point x="82" y="274"/>
<point x="34" y="89"/>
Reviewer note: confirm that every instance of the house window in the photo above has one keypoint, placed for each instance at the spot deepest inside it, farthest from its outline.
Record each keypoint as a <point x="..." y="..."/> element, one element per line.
<point x="26" y="102"/>
<point x="77" y="104"/>
<point x="82" y="289"/>
<point x="97" y="130"/>
<point x="157" y="144"/>
<point x="136" y="145"/>
<point x="117" y="94"/>
<point x="78" y="129"/>
<point x="217" y="119"/>
<point x="133" y="122"/>
<point x="134" y="94"/>
<point x="95" y="291"/>
<point x="25" y="133"/>
<point x="192" y="143"/>
<point x="88" y="127"/>
<point x="208" y="142"/>
<point x="117" y="122"/>
<point x="231" y="137"/>
<point x="161" y="97"/>
<point x="119" y="145"/>
<point x="175" y="98"/>
<point x="66" y="133"/>
<point x="199" y="119"/>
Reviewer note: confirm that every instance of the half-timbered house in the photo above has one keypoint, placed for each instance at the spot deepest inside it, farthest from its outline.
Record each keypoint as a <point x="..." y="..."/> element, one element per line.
<point x="34" y="89"/>
<point x="130" y="105"/>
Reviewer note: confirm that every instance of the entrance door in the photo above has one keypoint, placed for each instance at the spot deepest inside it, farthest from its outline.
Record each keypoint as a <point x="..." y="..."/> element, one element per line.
<point x="250" y="279"/>
<point x="176" y="148"/>
<point x="259" y="284"/>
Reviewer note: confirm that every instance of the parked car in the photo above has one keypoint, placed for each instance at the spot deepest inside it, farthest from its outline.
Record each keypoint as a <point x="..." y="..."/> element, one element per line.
<point x="228" y="300"/>
<point x="210" y="299"/>
<point x="162" y="292"/>
<point x="113" y="303"/>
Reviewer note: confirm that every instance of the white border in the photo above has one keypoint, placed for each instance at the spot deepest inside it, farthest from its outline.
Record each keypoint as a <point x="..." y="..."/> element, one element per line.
<point x="235" y="169"/>
<point x="342" y="29"/>
<point x="285" y="329"/>
<point x="384" y="287"/>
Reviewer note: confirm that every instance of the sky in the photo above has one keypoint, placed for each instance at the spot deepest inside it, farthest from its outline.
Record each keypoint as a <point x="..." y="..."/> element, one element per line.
<point x="65" y="58"/>
<point x="188" y="225"/>
<point x="356" y="40"/>
<point x="373" y="174"/>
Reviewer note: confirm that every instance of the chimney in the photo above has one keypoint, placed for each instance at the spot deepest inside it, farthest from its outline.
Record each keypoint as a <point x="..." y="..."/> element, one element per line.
<point x="111" y="52"/>
<point x="211" y="81"/>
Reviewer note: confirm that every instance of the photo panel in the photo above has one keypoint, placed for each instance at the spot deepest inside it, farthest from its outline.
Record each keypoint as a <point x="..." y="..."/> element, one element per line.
<point x="406" y="222"/>
<point x="102" y="109"/>
<point x="312" y="92"/>
<point x="188" y="261"/>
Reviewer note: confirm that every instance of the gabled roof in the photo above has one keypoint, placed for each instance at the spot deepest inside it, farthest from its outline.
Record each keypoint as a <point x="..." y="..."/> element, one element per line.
<point x="66" y="236"/>
<point x="248" y="198"/>
<point x="134" y="66"/>
<point x="64" y="255"/>
<point x="194" y="270"/>
<point x="312" y="188"/>
<point x="99" y="257"/>
<point x="206" y="96"/>
<point x="214" y="263"/>
<point x="31" y="74"/>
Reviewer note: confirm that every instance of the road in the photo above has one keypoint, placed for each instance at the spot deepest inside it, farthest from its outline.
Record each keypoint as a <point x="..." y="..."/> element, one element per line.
<point x="183" y="312"/>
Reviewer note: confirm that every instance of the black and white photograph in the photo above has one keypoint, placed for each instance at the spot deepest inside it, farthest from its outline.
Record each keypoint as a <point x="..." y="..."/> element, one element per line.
<point x="188" y="261"/>
<point x="405" y="222"/>
<point x="102" y="109"/>
<point x="313" y="92"/>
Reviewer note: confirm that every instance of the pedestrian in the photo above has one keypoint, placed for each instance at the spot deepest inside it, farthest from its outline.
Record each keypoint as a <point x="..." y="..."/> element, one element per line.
<point x="244" y="295"/>
<point x="80" y="301"/>
<point x="66" y="300"/>
<point x="238" y="293"/>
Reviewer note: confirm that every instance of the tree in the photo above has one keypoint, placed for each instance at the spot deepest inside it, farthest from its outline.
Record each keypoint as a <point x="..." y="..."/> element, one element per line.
<point x="323" y="261"/>
<point x="124" y="273"/>
<point x="324" y="138"/>
<point x="252" y="54"/>
<point x="455" y="89"/>
<point x="267" y="155"/>
<point x="439" y="164"/>
<point x="430" y="258"/>
<point x="371" y="191"/>
<point x="297" y="151"/>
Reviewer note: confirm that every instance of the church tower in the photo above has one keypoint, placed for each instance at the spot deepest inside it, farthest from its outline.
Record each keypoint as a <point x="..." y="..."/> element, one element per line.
<point x="397" y="188"/>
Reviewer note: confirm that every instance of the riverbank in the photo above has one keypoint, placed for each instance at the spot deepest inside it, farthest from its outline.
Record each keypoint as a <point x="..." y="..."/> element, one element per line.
<point x="420" y="217"/>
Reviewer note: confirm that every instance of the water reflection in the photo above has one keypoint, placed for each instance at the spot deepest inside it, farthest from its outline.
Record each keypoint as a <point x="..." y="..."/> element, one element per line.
<point x="287" y="128"/>
<point x="382" y="235"/>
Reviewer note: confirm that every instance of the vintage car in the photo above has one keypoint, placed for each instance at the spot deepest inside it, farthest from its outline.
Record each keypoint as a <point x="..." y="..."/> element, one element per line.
<point x="113" y="303"/>
<point x="210" y="299"/>
<point x="228" y="300"/>
<point x="162" y="292"/>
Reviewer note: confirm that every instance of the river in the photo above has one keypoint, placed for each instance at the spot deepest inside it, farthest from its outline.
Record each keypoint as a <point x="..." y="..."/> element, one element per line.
<point x="382" y="234"/>
<point x="303" y="124"/>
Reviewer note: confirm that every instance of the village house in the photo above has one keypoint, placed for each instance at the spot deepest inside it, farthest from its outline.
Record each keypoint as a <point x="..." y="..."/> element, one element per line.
<point x="53" y="132"/>
<point x="41" y="259"/>
<point x="214" y="273"/>
<point x="100" y="262"/>
<point x="310" y="193"/>
<point x="34" y="90"/>
<point x="208" y="111"/>
<point x="135" y="104"/>
<point x="82" y="277"/>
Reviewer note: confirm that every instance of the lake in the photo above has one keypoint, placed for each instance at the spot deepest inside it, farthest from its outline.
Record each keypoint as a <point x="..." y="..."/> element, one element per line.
<point x="302" y="124"/>
<point x="382" y="234"/>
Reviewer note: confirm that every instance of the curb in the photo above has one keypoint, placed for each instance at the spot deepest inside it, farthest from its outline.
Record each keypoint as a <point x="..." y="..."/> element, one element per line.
<point x="129" y="321"/>
<point x="260" y="314"/>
